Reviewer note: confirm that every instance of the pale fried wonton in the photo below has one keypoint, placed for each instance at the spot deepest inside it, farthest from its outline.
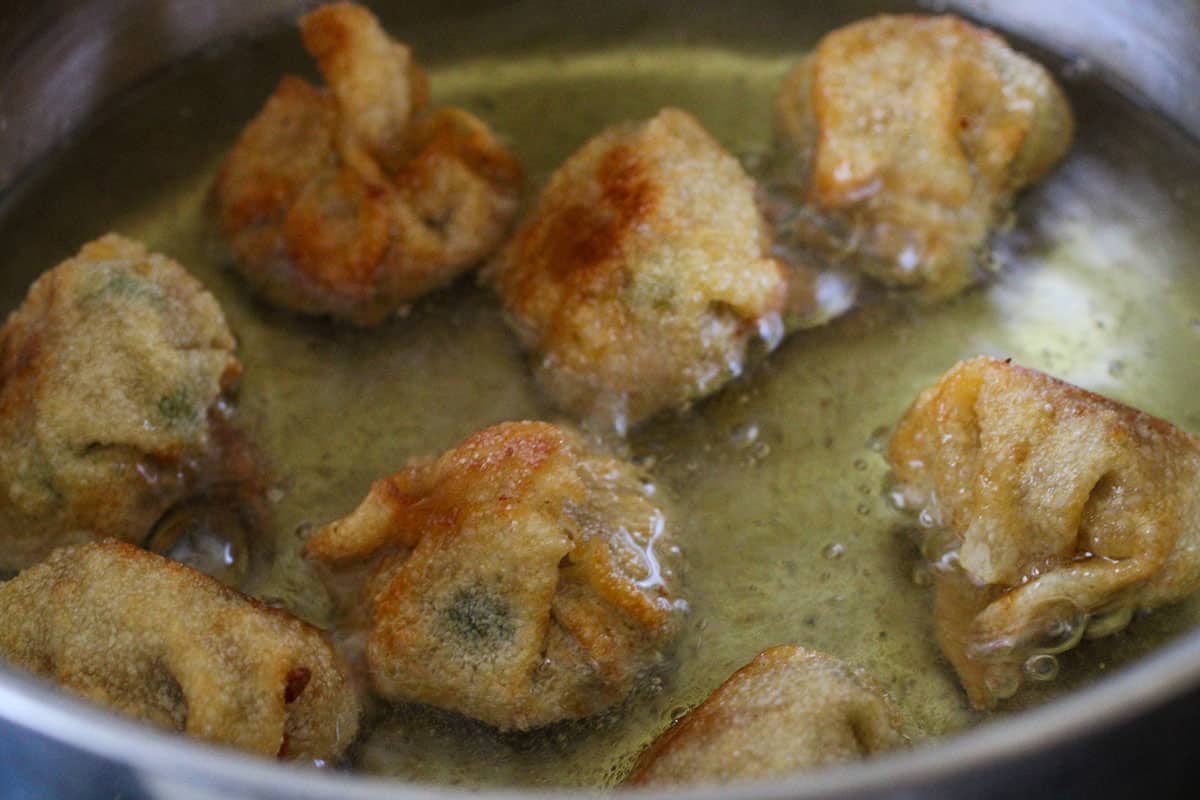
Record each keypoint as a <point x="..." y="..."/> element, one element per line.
<point x="170" y="646"/>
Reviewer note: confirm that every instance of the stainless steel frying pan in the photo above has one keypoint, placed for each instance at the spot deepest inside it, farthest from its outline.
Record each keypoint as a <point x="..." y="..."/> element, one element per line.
<point x="63" y="60"/>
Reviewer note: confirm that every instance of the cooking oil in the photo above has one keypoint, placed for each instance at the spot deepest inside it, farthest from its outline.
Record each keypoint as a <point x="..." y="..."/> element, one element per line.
<point x="788" y="532"/>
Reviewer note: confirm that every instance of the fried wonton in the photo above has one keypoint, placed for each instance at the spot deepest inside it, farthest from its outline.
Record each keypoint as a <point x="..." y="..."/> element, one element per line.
<point x="112" y="378"/>
<point x="521" y="578"/>
<point x="909" y="137"/>
<point x="789" y="710"/>
<point x="642" y="274"/>
<point x="353" y="201"/>
<point x="165" y="644"/>
<point x="1068" y="511"/>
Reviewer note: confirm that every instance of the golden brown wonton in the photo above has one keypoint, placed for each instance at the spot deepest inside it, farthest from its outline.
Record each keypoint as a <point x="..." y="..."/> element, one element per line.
<point x="111" y="378"/>
<point x="160" y="642"/>
<point x="521" y="578"/>
<point x="1068" y="511"/>
<point x="353" y="201"/>
<point x="910" y="136"/>
<point x="642" y="273"/>
<point x="789" y="710"/>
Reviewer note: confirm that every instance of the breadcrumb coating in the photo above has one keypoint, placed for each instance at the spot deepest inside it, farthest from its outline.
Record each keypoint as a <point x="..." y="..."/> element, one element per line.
<point x="642" y="274"/>
<point x="1067" y="511"/>
<point x="112" y="377"/>
<point x="355" y="200"/>
<point x="521" y="578"/>
<point x="165" y="644"/>
<point x="910" y="136"/>
<point x="789" y="710"/>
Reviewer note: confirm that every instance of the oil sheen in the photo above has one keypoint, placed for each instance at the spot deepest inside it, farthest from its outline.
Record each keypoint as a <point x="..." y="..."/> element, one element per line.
<point x="786" y="530"/>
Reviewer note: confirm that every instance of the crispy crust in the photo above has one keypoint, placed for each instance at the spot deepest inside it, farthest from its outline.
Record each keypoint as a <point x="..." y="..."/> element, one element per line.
<point x="910" y="137"/>
<point x="521" y="578"/>
<point x="642" y="273"/>
<point x="110" y="374"/>
<point x="1065" y="504"/>
<point x="789" y="710"/>
<point x="354" y="201"/>
<point x="162" y="643"/>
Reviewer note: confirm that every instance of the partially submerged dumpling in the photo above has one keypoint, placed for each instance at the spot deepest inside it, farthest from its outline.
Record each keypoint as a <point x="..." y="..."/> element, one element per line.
<point x="1068" y="511"/>
<point x="521" y="578"/>
<point x="643" y="273"/>
<point x="353" y="201"/>
<point x="789" y="710"/>
<point x="160" y="642"/>
<point x="112" y="374"/>
<point x="910" y="136"/>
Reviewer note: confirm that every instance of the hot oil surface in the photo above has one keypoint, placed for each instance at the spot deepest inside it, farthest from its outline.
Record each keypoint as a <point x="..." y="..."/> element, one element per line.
<point x="786" y="533"/>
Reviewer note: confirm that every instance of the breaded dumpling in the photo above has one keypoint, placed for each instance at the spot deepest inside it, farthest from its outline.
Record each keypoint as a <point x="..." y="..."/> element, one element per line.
<point x="1067" y="511"/>
<point x="642" y="273"/>
<point x="910" y="135"/>
<point x="789" y="710"/>
<point x="112" y="374"/>
<point x="521" y="578"/>
<point x="353" y="201"/>
<point x="165" y="644"/>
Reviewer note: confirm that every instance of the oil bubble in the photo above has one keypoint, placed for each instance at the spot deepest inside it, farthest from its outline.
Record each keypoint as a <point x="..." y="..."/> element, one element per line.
<point x="898" y="495"/>
<point x="1042" y="667"/>
<point x="878" y="440"/>
<point x="1060" y="634"/>
<point x="1108" y="623"/>
<point x="833" y="551"/>
<point x="1002" y="682"/>
<point x="208" y="536"/>
<point x="864" y="510"/>
<point x="860" y="465"/>
<point x="940" y="549"/>
<point x="760" y="451"/>
<point x="744" y="435"/>
<point x="771" y="331"/>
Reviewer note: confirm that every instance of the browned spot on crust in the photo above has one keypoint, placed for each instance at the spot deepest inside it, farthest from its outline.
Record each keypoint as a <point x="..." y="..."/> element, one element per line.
<point x="580" y="243"/>
<point x="234" y="672"/>
<point x="789" y="710"/>
<point x="355" y="200"/>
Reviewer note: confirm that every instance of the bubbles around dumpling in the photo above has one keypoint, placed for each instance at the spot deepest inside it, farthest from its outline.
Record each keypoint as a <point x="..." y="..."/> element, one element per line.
<point x="908" y="137"/>
<point x="167" y="645"/>
<point x="1065" y="510"/>
<point x="642" y="274"/>
<point x="521" y="578"/>
<point x="354" y="201"/>
<point x="789" y="710"/>
<point x="112" y="378"/>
